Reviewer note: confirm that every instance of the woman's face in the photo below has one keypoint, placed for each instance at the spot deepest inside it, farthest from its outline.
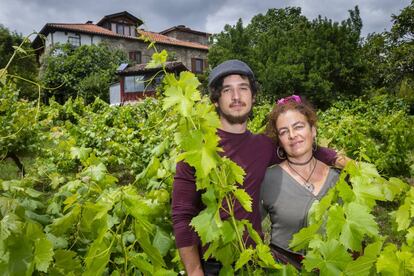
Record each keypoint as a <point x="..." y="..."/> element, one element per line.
<point x="295" y="133"/>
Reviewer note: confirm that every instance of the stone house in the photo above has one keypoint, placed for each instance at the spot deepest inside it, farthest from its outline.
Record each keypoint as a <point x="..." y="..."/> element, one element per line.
<point x="122" y="30"/>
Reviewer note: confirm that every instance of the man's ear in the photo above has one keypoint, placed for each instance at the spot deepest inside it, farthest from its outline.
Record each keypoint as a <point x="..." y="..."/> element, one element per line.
<point x="314" y="132"/>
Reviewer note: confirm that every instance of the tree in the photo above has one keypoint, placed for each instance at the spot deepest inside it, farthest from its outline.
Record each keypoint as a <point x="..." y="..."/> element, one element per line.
<point x="320" y="59"/>
<point x="24" y="64"/>
<point x="85" y="71"/>
<point x="390" y="57"/>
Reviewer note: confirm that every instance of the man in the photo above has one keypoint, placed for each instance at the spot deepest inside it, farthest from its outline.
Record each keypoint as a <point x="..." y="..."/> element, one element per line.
<point x="232" y="90"/>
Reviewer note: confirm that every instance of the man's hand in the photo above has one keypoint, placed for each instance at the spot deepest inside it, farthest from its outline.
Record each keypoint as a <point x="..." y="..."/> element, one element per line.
<point x="341" y="161"/>
<point x="191" y="260"/>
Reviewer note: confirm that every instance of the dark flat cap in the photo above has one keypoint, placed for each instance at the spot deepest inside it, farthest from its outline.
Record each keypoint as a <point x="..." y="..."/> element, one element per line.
<point x="229" y="67"/>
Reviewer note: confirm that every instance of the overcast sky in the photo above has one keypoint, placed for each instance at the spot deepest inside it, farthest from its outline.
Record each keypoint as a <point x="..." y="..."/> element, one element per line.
<point x="26" y="16"/>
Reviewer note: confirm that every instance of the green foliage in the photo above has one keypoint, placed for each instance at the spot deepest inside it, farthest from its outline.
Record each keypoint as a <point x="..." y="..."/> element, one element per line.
<point x="343" y="234"/>
<point x="389" y="56"/>
<point x="380" y="130"/>
<point x="96" y="196"/>
<point x="319" y="59"/>
<point x="24" y="62"/>
<point x="85" y="71"/>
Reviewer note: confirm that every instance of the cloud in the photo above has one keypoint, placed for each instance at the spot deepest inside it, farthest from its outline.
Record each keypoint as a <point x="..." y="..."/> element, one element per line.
<point x="210" y="16"/>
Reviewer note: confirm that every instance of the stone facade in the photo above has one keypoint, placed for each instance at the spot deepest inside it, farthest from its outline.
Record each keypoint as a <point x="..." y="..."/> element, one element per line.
<point x="176" y="53"/>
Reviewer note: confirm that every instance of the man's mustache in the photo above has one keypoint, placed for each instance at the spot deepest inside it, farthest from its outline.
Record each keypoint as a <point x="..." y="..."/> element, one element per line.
<point x="237" y="103"/>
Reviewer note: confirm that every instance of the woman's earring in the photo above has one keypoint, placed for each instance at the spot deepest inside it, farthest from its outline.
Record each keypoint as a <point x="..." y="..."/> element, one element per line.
<point x="315" y="144"/>
<point x="281" y="153"/>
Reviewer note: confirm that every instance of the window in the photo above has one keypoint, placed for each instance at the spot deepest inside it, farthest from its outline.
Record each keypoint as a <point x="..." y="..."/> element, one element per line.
<point x="120" y="29"/>
<point x="74" y="40"/>
<point x="141" y="83"/>
<point x="197" y="65"/>
<point x="135" y="57"/>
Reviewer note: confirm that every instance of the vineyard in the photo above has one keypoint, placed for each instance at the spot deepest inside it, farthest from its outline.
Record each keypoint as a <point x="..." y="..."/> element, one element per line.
<point x="86" y="189"/>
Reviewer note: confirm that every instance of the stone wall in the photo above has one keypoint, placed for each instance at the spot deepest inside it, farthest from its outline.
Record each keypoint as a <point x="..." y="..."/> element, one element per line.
<point x="176" y="53"/>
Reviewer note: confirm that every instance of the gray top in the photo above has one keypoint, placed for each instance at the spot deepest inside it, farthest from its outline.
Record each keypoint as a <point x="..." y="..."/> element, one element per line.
<point x="287" y="202"/>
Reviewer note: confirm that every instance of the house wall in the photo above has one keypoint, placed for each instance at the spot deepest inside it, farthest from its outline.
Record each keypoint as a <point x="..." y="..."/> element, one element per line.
<point x="62" y="37"/>
<point x="186" y="36"/>
<point x="182" y="54"/>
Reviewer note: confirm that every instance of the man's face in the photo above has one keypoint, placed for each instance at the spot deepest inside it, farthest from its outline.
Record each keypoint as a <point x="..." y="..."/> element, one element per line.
<point x="235" y="102"/>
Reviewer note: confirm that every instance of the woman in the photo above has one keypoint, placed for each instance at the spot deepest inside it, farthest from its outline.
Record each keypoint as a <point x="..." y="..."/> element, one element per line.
<point x="289" y="189"/>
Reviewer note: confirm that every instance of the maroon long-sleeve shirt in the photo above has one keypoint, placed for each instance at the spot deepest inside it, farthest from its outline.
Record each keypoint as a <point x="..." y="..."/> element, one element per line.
<point x="254" y="153"/>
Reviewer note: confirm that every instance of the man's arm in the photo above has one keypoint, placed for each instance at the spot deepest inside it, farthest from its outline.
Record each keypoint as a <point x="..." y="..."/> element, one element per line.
<point x="191" y="260"/>
<point x="186" y="204"/>
<point x="331" y="157"/>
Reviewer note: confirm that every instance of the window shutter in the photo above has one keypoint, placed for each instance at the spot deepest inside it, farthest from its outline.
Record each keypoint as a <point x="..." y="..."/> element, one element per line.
<point x="193" y="65"/>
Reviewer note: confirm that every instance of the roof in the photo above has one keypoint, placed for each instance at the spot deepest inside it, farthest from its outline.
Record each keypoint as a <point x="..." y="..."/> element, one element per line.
<point x="159" y="38"/>
<point x="89" y="28"/>
<point x="183" y="28"/>
<point x="170" y="66"/>
<point x="120" y="14"/>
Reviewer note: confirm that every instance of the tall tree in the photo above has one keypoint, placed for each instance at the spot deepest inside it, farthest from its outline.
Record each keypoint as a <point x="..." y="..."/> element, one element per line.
<point x="85" y="71"/>
<point x="290" y="54"/>
<point x="24" y="64"/>
<point x="390" y="57"/>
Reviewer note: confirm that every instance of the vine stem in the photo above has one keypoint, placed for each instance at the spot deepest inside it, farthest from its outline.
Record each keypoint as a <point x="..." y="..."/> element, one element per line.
<point x="230" y="211"/>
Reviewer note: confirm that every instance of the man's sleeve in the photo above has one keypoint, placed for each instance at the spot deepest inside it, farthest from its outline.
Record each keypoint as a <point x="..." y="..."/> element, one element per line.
<point x="326" y="155"/>
<point x="186" y="204"/>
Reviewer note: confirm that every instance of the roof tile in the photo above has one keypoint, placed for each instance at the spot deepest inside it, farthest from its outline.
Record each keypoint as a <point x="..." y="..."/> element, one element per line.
<point x="94" y="29"/>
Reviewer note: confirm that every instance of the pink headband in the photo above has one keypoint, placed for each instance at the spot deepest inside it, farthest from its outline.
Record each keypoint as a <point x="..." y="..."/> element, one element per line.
<point x="285" y="100"/>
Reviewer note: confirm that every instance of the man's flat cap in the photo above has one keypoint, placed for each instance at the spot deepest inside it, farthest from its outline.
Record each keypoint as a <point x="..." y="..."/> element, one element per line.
<point x="229" y="67"/>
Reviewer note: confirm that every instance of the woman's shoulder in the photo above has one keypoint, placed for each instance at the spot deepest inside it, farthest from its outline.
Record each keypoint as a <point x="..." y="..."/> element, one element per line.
<point x="273" y="174"/>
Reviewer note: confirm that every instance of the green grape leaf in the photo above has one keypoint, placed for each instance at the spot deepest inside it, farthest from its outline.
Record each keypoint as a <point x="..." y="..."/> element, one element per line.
<point x="157" y="59"/>
<point x="201" y="152"/>
<point x="9" y="224"/>
<point x="142" y="264"/>
<point x="410" y="236"/>
<point x="359" y="222"/>
<point x="335" y="222"/>
<point x="345" y="191"/>
<point x="252" y="232"/>
<point x="97" y="256"/>
<point x="225" y="254"/>
<point x="43" y="254"/>
<point x="67" y="262"/>
<point x="162" y="241"/>
<point x="319" y="208"/>
<point x="144" y="241"/>
<point x="236" y="172"/>
<point x="402" y="215"/>
<point x="206" y="226"/>
<point x="244" y="199"/>
<point x="263" y="252"/>
<point x="228" y="233"/>
<point x="395" y="186"/>
<point x="330" y="259"/>
<point x="388" y="263"/>
<point x="164" y="272"/>
<point x="96" y="172"/>
<point x="226" y="271"/>
<point x="364" y="264"/>
<point x="189" y="83"/>
<point x="301" y="239"/>
<point x="174" y="96"/>
<point x="61" y="225"/>
<point x="245" y="256"/>
<point x="81" y="153"/>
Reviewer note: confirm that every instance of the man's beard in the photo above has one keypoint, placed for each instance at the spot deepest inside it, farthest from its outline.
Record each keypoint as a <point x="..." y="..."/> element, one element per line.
<point x="234" y="120"/>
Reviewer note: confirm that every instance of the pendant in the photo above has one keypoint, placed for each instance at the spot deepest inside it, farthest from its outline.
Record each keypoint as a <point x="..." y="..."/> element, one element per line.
<point x="309" y="186"/>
